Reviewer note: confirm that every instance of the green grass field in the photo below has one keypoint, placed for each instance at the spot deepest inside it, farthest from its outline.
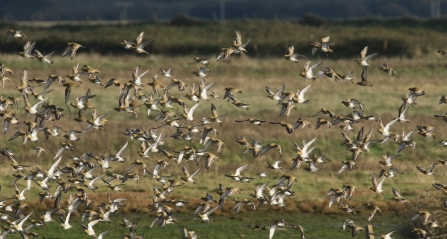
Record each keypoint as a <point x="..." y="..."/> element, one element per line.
<point x="308" y="206"/>
<point x="246" y="225"/>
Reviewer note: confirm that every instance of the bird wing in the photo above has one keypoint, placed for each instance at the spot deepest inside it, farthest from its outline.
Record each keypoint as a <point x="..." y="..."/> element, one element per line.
<point x="122" y="150"/>
<point x="185" y="171"/>
<point x="291" y="50"/>
<point x="259" y="189"/>
<point x="94" y="180"/>
<point x="24" y="219"/>
<point x="38" y="53"/>
<point x="346" y="137"/>
<point x="379" y="186"/>
<point x="30" y="48"/>
<point x="239" y="170"/>
<point x="92" y="223"/>
<point x="391" y="232"/>
<point x="348" y="222"/>
<point x="370" y="56"/>
<point x="279" y="92"/>
<point x="343" y="168"/>
<point x="431" y="167"/>
<point x="24" y="78"/>
<point x="272" y="231"/>
<point x="387" y="127"/>
<point x="67" y="219"/>
<point x="184" y="232"/>
<point x="48" y="55"/>
<point x="109" y="83"/>
<point x="402" y="111"/>
<point x="67" y="50"/>
<point x="407" y="137"/>
<point x="401" y="147"/>
<point x="220" y="56"/>
<point x="269" y="91"/>
<point x="265" y="149"/>
<point x="191" y="111"/>
<point x="195" y="173"/>
<point x="75" y="69"/>
<point x="214" y="110"/>
<point x="138" y="78"/>
<point x="371" y="215"/>
<point x="306" y="66"/>
<point x="315" y="66"/>
<point x="374" y="181"/>
<point x="139" y="39"/>
<point x="211" y="211"/>
<point x="365" y="74"/>
<point x="54" y="166"/>
<point x="238" y="38"/>
<point x="9" y="37"/>
<point x="303" y="91"/>
<point x="306" y="146"/>
<point x="101" y="235"/>
<point x="204" y="90"/>
<point x="171" y="85"/>
<point x="363" y="52"/>
<point x="368" y="136"/>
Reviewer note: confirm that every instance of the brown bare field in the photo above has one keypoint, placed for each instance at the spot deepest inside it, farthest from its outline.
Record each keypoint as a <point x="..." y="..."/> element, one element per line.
<point x="250" y="75"/>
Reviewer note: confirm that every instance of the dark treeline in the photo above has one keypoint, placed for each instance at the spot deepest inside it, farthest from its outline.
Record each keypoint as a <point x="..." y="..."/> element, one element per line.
<point x="80" y="10"/>
<point x="406" y="37"/>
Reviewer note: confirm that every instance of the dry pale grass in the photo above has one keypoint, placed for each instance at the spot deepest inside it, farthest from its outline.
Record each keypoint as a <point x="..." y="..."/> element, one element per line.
<point x="250" y="75"/>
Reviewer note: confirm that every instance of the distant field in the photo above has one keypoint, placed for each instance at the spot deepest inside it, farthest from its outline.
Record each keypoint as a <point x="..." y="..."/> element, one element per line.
<point x="250" y="74"/>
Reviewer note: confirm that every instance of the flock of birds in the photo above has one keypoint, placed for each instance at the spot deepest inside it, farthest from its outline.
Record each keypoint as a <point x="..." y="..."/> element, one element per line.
<point x="87" y="172"/>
